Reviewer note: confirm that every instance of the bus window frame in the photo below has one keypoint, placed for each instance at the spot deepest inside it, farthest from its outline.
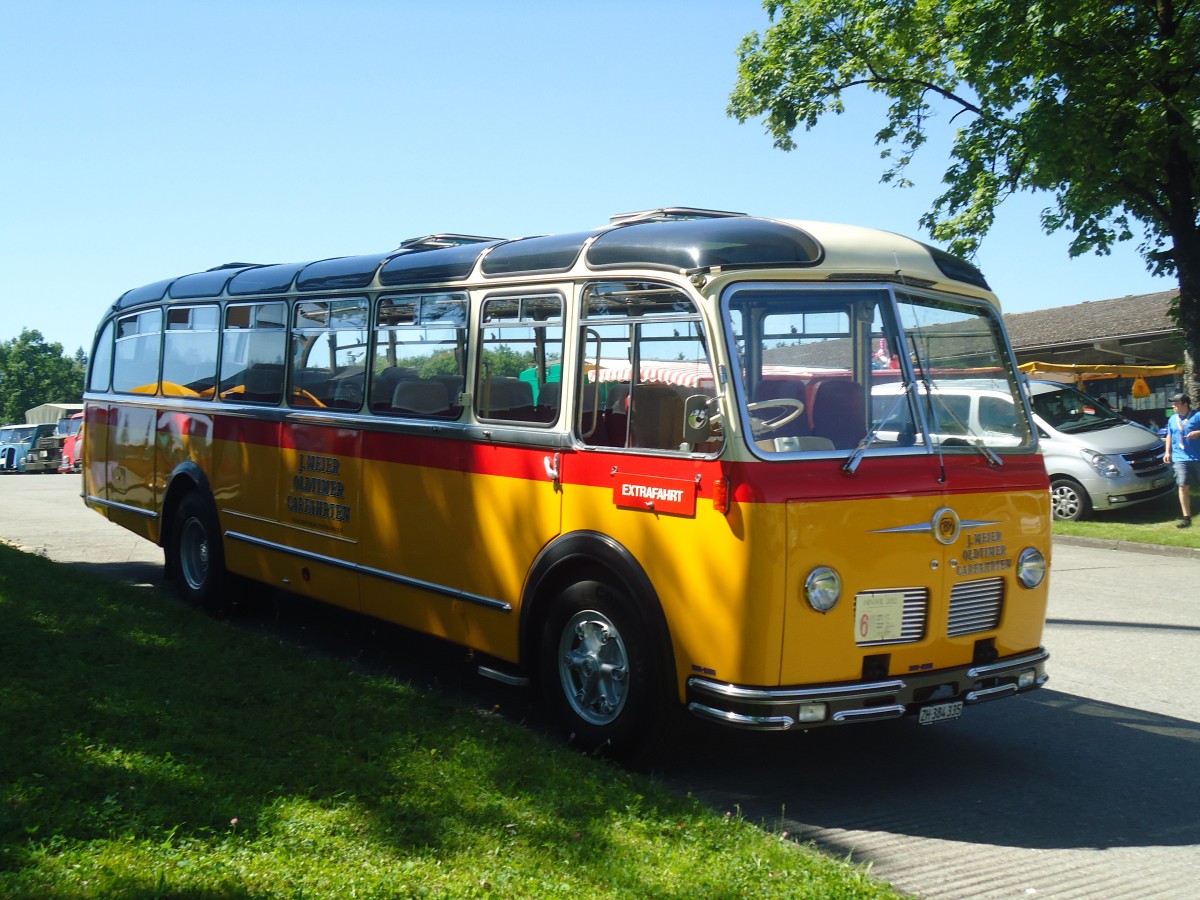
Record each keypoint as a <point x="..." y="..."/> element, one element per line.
<point x="538" y="326"/>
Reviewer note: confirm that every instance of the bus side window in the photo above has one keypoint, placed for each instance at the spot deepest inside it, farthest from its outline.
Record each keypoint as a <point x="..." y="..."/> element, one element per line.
<point x="190" y="351"/>
<point x="138" y="347"/>
<point x="420" y="356"/>
<point x="520" y="366"/>
<point x="253" y="349"/>
<point x="329" y="349"/>
<point x="644" y="352"/>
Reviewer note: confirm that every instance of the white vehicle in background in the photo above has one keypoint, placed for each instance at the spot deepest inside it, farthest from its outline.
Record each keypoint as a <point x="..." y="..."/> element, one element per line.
<point x="1096" y="459"/>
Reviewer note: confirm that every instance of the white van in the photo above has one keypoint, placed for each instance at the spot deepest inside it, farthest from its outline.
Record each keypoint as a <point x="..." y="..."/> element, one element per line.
<point x="1096" y="459"/>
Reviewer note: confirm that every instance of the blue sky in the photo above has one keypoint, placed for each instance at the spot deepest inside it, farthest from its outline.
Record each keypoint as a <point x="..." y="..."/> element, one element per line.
<point x="143" y="140"/>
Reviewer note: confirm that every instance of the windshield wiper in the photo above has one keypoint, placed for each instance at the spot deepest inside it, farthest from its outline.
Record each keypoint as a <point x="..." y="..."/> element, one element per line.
<point x="856" y="455"/>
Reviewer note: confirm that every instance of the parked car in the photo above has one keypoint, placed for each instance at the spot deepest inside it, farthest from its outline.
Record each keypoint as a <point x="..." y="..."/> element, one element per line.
<point x="1096" y="459"/>
<point x="72" y="448"/>
<point x="16" y="443"/>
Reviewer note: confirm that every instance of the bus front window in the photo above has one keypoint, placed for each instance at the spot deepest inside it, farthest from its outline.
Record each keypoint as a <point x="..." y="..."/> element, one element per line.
<point x="839" y="370"/>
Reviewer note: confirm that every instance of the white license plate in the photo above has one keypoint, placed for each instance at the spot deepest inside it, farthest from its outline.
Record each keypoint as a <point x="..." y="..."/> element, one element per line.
<point x="940" y="712"/>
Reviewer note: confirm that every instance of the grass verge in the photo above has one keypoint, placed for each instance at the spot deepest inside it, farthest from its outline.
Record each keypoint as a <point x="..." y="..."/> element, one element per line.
<point x="149" y="751"/>
<point x="1146" y="523"/>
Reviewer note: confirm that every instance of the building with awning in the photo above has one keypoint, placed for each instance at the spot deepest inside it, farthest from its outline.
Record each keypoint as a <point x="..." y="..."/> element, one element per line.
<point x="1127" y="350"/>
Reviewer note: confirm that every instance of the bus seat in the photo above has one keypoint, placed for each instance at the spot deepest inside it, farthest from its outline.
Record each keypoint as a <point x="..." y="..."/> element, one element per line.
<point x="507" y="398"/>
<point x="454" y="386"/>
<point x="837" y="411"/>
<point x="264" y="383"/>
<point x="549" y="397"/>
<point x="348" y="393"/>
<point x="383" y="384"/>
<point x="423" y="398"/>
<point x="656" y="417"/>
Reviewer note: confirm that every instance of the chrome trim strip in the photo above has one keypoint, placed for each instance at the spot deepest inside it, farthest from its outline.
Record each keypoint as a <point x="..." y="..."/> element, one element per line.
<point x="754" y="723"/>
<point x="976" y="672"/>
<point x="767" y="695"/>
<point x="870" y="714"/>
<point x="504" y="677"/>
<point x="992" y="693"/>
<point x="123" y="507"/>
<point x="453" y="593"/>
<point x="927" y="527"/>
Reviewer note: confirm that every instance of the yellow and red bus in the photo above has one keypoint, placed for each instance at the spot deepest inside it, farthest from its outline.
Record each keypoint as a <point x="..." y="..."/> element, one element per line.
<point x="688" y="460"/>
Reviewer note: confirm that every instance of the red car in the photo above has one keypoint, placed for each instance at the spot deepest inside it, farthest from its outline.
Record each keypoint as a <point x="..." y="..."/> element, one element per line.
<point x="72" y="451"/>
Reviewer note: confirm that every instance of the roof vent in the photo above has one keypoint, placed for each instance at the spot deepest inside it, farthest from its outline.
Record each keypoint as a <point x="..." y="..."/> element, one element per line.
<point x="671" y="214"/>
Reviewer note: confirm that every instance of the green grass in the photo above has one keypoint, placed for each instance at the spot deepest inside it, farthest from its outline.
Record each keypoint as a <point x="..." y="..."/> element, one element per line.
<point x="149" y="751"/>
<point x="1146" y="523"/>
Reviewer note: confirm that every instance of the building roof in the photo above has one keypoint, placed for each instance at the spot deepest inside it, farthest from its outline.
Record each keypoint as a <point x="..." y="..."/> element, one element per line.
<point x="1135" y="330"/>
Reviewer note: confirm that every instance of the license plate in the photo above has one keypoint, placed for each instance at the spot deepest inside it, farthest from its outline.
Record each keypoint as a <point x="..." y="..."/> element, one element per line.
<point x="940" y="712"/>
<point x="1159" y="482"/>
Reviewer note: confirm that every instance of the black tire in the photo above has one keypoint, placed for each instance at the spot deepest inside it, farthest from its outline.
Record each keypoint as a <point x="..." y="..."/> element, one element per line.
<point x="600" y="678"/>
<point x="1068" y="500"/>
<point x="198" y="555"/>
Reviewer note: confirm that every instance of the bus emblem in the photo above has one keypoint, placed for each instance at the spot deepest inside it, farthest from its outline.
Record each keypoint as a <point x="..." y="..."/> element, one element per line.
<point x="946" y="525"/>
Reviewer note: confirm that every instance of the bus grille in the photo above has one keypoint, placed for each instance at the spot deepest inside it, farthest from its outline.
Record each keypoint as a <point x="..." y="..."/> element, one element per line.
<point x="912" y="627"/>
<point x="975" y="606"/>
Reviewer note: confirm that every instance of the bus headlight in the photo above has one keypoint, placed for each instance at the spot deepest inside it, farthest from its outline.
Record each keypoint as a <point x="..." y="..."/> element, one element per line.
<point x="823" y="589"/>
<point x="1031" y="567"/>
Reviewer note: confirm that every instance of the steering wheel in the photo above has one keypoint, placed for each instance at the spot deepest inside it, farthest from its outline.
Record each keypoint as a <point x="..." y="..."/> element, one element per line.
<point x="792" y="409"/>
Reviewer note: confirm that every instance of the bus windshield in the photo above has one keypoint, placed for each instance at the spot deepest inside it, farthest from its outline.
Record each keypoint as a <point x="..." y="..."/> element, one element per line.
<point x="830" y="369"/>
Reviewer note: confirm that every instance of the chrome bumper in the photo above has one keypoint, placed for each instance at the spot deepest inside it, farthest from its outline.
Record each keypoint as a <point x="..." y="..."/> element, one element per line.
<point x="781" y="709"/>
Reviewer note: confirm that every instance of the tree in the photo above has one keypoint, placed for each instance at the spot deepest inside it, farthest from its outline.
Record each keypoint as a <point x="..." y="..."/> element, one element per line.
<point x="33" y="372"/>
<point x="1092" y="101"/>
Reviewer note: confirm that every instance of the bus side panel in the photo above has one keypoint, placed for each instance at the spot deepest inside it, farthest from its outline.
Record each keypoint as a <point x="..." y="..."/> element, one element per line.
<point x="183" y="437"/>
<point x="95" y="459"/>
<point x="317" y="489"/>
<point x="462" y="517"/>
<point x="723" y="611"/>
<point x="131" y="474"/>
<point x="244" y="477"/>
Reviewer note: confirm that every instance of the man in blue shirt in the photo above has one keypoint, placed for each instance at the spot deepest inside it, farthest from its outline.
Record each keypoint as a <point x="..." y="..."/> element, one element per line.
<point x="1183" y="452"/>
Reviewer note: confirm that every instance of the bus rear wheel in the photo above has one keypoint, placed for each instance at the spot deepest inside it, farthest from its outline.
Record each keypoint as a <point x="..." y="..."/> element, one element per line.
<point x="598" y="677"/>
<point x="198" y="555"/>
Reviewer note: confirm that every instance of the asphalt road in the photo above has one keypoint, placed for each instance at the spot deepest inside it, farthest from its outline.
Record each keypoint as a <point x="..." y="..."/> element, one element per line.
<point x="1087" y="788"/>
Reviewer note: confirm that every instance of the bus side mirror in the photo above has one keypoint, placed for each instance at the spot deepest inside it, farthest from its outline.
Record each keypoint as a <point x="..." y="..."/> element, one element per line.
<point x="697" y="421"/>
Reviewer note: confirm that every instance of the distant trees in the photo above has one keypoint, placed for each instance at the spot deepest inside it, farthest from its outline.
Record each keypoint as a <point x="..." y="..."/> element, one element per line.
<point x="33" y="372"/>
<point x="1094" y="103"/>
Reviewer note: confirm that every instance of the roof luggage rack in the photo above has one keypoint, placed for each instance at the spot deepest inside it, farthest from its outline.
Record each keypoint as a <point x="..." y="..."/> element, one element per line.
<point x="671" y="214"/>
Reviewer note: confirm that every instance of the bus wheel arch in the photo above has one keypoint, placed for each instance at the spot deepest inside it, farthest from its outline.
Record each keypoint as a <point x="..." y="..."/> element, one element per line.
<point x="596" y="642"/>
<point x="192" y="542"/>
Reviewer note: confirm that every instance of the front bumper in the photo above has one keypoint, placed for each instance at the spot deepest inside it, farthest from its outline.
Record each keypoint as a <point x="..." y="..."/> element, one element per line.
<point x="784" y="708"/>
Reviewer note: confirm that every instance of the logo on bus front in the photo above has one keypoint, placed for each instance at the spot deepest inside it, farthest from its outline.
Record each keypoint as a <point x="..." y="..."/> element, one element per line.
<point x="946" y="525"/>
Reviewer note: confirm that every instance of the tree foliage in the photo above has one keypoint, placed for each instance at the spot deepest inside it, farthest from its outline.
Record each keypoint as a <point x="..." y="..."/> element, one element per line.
<point x="33" y="372"/>
<point x="1095" y="103"/>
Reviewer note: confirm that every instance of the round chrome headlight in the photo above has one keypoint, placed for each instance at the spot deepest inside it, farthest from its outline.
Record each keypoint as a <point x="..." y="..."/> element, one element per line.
<point x="1031" y="567"/>
<point x="823" y="589"/>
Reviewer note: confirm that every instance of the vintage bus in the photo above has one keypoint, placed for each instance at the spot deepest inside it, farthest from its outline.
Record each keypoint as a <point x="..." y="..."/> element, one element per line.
<point x="639" y="467"/>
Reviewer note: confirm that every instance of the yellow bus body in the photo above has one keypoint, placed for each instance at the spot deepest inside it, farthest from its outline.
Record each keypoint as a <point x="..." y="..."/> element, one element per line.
<point x="470" y="533"/>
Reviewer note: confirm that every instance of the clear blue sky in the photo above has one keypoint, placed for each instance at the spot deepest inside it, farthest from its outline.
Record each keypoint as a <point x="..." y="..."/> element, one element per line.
<point x="144" y="140"/>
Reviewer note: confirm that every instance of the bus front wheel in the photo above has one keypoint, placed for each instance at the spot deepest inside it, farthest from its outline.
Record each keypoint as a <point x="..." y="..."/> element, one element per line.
<point x="599" y="679"/>
<point x="198" y="556"/>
